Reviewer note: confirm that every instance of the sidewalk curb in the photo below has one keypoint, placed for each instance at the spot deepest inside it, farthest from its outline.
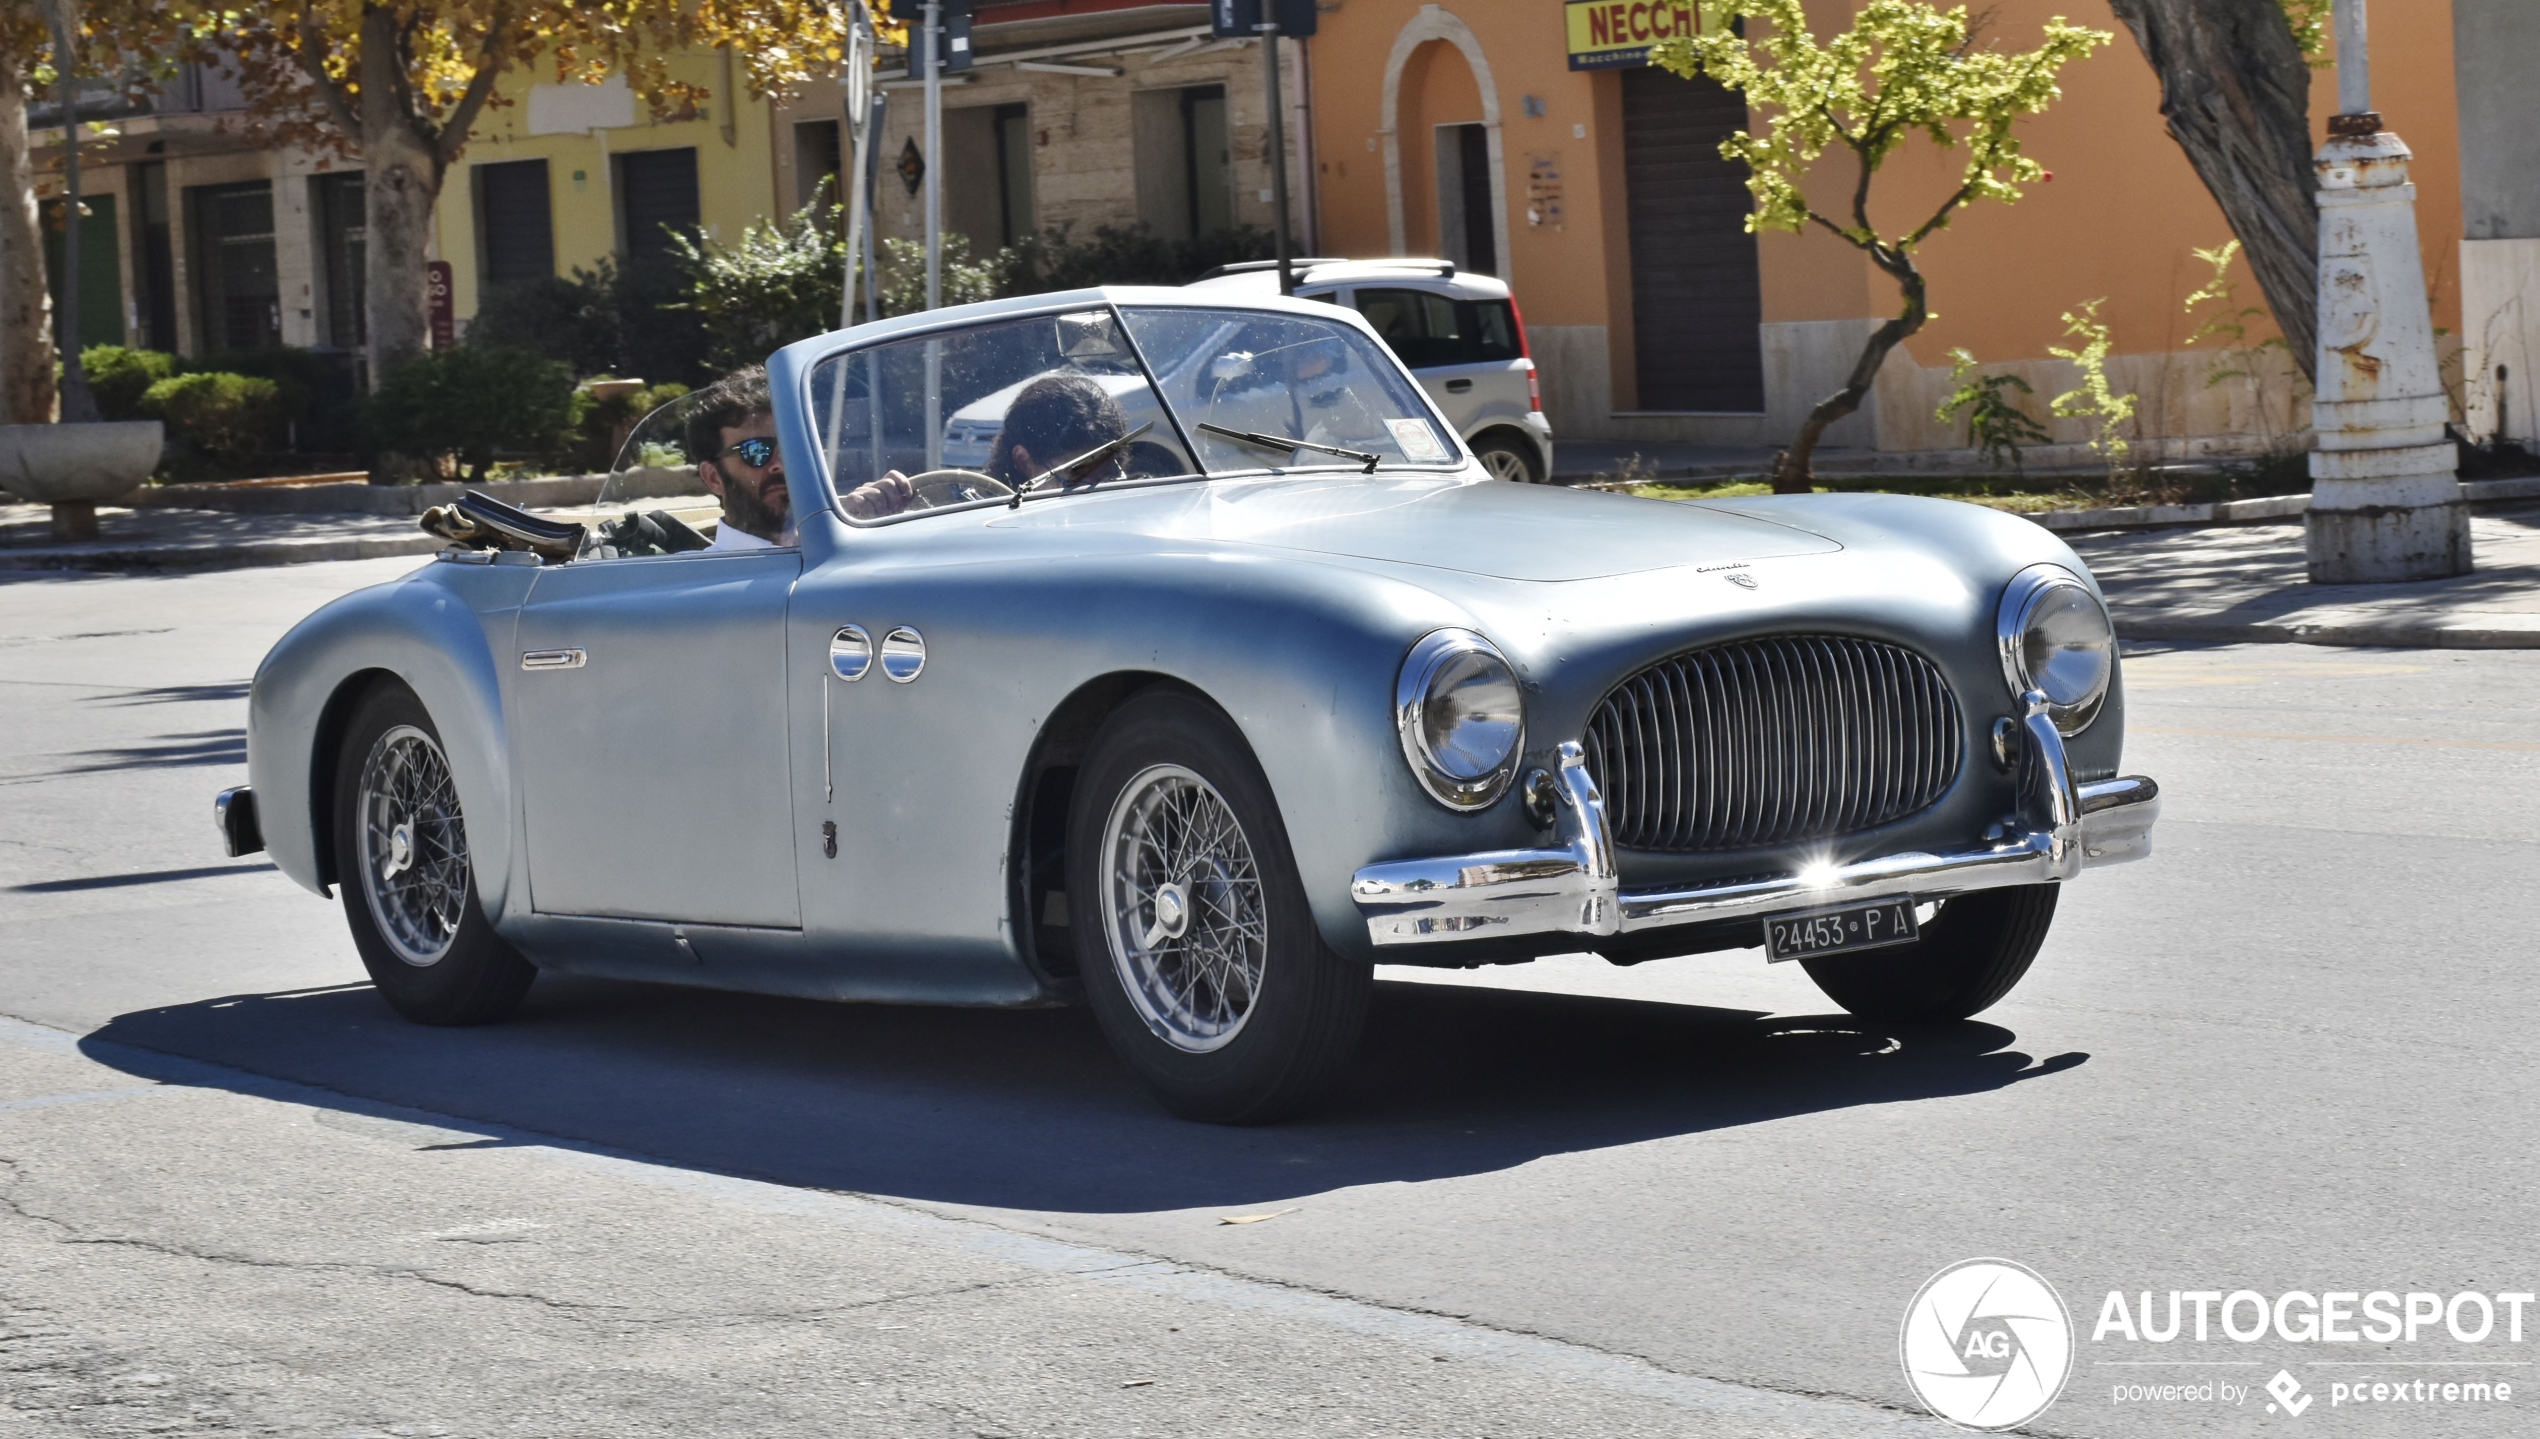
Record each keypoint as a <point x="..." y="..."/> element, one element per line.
<point x="2394" y="636"/>
<point x="2268" y="510"/>
<point x="357" y="498"/>
<point x="226" y="556"/>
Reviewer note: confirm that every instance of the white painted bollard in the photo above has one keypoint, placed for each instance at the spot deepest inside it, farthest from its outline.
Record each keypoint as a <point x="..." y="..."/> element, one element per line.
<point x="2385" y="501"/>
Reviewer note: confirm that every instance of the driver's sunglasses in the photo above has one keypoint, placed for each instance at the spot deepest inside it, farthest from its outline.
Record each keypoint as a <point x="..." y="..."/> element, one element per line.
<point x="755" y="451"/>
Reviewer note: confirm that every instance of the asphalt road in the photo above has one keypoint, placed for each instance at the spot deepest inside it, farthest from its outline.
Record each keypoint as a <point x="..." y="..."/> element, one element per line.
<point x="2292" y="1051"/>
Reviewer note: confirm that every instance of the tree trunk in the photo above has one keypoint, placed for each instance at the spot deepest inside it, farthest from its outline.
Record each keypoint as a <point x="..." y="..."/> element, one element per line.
<point x="2237" y="93"/>
<point x="402" y="183"/>
<point x="26" y="308"/>
<point x="1792" y="472"/>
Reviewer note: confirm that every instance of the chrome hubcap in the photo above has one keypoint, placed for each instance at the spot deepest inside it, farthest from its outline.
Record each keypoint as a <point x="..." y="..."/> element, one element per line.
<point x="1505" y="465"/>
<point x="1172" y="914"/>
<point x="413" y="846"/>
<point x="1188" y="934"/>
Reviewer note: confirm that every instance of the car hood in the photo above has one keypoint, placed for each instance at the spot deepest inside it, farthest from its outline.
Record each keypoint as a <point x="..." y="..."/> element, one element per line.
<point x="1477" y="527"/>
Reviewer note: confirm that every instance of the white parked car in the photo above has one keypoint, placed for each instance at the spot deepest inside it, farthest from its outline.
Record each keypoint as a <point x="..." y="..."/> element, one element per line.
<point x="1458" y="333"/>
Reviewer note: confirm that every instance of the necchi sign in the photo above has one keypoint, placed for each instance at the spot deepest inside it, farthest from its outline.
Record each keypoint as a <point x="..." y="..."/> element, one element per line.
<point x="1614" y="34"/>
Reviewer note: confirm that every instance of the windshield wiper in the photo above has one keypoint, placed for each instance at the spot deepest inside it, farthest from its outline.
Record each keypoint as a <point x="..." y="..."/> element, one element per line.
<point x="1282" y="443"/>
<point x="1075" y="467"/>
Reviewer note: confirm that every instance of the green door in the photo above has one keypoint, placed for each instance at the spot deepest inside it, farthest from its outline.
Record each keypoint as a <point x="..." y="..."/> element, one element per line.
<point x="100" y="269"/>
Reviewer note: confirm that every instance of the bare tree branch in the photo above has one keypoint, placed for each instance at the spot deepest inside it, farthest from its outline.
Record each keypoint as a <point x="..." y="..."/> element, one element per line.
<point x="480" y="87"/>
<point x="337" y="102"/>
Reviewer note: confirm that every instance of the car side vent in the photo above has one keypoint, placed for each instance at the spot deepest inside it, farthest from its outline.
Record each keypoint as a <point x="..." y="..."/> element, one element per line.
<point x="1775" y="741"/>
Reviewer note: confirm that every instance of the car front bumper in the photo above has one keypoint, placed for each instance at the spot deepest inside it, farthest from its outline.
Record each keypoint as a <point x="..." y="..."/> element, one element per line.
<point x="2060" y="829"/>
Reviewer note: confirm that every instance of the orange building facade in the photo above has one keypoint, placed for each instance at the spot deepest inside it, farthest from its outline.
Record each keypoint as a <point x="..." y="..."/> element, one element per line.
<point x="1464" y="129"/>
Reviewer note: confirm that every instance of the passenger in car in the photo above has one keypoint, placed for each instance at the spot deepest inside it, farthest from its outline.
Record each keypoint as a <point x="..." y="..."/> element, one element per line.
<point x="732" y="432"/>
<point x="1053" y="420"/>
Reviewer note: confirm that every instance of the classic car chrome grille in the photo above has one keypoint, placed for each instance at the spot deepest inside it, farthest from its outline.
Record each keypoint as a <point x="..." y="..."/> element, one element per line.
<point x="1772" y="741"/>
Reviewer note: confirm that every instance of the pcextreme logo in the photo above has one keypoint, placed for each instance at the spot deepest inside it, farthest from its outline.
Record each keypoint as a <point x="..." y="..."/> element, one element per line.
<point x="1987" y="1344"/>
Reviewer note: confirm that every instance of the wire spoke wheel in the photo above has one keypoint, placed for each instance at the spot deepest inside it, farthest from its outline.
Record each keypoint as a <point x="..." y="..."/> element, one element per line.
<point x="411" y="846"/>
<point x="1187" y="928"/>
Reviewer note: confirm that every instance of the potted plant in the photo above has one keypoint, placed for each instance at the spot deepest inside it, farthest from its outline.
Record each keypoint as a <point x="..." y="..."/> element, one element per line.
<point x="80" y="461"/>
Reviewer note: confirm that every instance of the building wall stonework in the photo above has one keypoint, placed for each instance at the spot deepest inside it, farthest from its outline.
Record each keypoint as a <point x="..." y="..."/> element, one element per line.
<point x="1084" y="153"/>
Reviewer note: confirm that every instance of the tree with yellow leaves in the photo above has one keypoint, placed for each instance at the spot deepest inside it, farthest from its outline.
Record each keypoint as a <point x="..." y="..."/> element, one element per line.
<point x="104" y="35"/>
<point x="1904" y="67"/>
<point x="401" y="85"/>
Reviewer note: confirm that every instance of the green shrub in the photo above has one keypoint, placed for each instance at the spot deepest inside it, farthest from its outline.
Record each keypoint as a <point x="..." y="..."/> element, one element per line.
<point x="965" y="280"/>
<point x="1131" y="255"/>
<point x="780" y="283"/>
<point x="635" y="320"/>
<point x="229" y="420"/>
<point x="119" y="377"/>
<point x="467" y="402"/>
<point x="598" y="427"/>
<point x="573" y="321"/>
<point x="317" y="395"/>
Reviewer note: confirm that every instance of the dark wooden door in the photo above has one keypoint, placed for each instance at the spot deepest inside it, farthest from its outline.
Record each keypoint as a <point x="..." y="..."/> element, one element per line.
<point x="1697" y="293"/>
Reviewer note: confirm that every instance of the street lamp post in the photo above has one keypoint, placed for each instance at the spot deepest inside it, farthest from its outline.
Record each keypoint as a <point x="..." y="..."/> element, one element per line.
<point x="1269" y="31"/>
<point x="2385" y="499"/>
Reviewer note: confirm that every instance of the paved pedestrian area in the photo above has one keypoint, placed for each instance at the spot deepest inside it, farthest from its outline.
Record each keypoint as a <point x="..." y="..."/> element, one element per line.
<point x="2238" y="583"/>
<point x="188" y="539"/>
<point x="2247" y="583"/>
<point x="204" y="539"/>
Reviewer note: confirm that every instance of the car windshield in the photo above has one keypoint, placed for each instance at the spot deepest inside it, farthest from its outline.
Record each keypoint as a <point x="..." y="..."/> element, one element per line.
<point x="1293" y="377"/>
<point x="1057" y="403"/>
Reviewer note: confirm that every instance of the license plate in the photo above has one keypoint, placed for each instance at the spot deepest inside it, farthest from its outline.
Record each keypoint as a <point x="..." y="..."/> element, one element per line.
<point x="1804" y="934"/>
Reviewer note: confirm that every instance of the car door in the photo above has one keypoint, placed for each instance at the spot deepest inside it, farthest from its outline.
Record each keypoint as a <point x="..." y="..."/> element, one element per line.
<point x="1463" y="352"/>
<point x="652" y="738"/>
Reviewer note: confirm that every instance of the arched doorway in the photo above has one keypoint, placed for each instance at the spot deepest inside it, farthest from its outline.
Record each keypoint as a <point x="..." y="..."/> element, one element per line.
<point x="1446" y="183"/>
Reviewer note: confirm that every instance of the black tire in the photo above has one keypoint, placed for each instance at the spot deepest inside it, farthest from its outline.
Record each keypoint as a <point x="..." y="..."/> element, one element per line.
<point x="1299" y="1021"/>
<point x="1509" y="458"/>
<point x="1968" y="957"/>
<point x="435" y="961"/>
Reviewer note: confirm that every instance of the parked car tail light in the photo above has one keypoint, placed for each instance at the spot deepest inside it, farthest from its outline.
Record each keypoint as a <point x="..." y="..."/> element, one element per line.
<point x="1462" y="717"/>
<point x="2056" y="638"/>
<point x="1518" y="318"/>
<point x="1534" y="389"/>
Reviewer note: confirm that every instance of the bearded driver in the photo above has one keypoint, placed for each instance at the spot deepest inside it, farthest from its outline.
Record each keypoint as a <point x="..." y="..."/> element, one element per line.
<point x="732" y="432"/>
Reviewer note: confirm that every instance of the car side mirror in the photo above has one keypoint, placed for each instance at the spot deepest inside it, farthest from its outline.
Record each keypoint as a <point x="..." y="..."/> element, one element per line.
<point x="1088" y="336"/>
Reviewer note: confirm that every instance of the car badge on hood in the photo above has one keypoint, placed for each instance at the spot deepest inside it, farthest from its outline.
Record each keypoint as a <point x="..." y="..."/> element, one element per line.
<point x="1741" y="579"/>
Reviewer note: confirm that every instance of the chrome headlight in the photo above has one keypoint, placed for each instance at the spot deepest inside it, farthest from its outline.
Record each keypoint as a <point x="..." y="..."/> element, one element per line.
<point x="1462" y="716"/>
<point x="2056" y="638"/>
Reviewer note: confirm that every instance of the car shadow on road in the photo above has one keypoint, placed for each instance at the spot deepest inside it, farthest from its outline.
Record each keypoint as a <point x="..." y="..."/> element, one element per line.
<point x="1026" y="1109"/>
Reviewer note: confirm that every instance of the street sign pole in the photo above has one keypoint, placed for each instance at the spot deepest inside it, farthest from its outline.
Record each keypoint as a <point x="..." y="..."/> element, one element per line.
<point x="858" y="118"/>
<point x="934" y="46"/>
<point x="934" y="228"/>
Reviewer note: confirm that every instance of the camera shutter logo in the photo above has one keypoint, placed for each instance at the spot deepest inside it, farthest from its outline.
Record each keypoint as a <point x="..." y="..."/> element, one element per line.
<point x="1987" y="1344"/>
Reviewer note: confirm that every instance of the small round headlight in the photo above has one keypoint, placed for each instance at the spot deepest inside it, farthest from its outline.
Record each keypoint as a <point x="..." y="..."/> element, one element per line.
<point x="1462" y="716"/>
<point x="2056" y="638"/>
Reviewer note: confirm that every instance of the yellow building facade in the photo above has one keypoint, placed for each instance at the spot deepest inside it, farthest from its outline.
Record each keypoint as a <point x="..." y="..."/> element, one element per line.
<point x="609" y="173"/>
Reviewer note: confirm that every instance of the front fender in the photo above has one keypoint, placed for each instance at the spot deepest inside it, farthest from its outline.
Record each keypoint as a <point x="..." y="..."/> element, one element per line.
<point x="443" y="632"/>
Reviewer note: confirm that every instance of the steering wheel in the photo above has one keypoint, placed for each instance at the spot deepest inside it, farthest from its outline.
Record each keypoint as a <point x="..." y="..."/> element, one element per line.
<point x="956" y="487"/>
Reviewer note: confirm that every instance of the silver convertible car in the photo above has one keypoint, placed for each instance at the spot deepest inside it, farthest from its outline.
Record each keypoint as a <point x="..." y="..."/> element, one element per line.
<point x="1238" y="678"/>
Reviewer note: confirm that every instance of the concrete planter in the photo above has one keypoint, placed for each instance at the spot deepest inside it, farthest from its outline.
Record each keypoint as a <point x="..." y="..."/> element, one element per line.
<point x="74" y="468"/>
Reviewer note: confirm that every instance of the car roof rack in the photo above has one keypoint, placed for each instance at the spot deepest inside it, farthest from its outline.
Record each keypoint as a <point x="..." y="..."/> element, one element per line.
<point x="1245" y="267"/>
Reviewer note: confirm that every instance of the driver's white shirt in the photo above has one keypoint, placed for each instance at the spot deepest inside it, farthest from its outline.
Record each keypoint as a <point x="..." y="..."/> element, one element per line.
<point x="729" y="536"/>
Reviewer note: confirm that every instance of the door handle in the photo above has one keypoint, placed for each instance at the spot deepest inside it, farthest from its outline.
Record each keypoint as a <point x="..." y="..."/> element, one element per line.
<point x="1457" y="387"/>
<point x="552" y="659"/>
